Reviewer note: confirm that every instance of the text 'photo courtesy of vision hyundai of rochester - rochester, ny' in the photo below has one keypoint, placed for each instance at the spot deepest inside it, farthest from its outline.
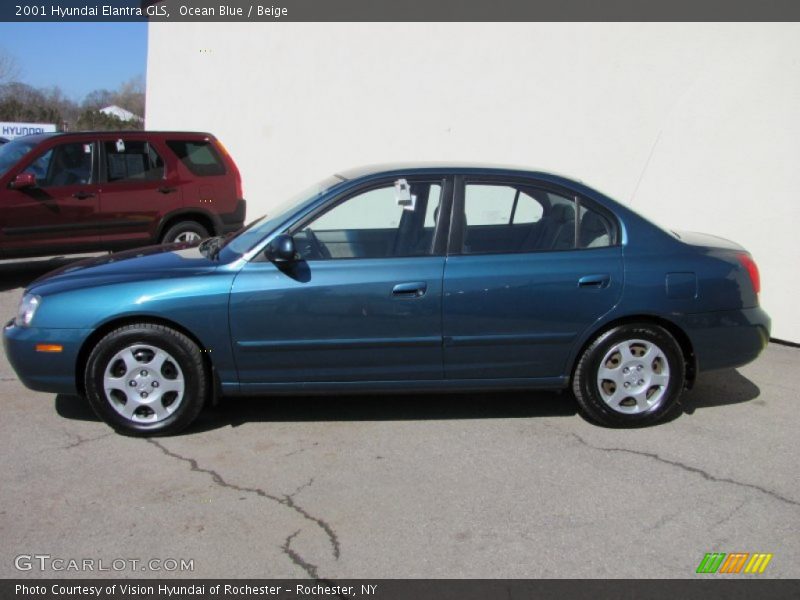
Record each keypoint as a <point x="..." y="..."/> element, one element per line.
<point x="399" y="279"/>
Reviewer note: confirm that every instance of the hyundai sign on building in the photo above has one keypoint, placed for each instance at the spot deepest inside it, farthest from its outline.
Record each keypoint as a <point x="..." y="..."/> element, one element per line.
<point x="13" y="130"/>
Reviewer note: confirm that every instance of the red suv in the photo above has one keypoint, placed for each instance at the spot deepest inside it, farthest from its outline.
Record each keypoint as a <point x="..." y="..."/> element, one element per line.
<point x="88" y="191"/>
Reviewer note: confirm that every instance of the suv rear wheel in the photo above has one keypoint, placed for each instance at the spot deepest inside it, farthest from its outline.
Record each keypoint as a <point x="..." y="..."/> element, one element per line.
<point x="184" y="231"/>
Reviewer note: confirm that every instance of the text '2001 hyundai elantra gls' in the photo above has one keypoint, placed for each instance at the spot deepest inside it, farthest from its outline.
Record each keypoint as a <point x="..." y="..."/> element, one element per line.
<point x="392" y="279"/>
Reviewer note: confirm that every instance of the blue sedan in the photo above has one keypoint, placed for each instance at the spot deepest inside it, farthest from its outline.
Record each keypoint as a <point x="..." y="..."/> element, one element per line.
<point x="400" y="278"/>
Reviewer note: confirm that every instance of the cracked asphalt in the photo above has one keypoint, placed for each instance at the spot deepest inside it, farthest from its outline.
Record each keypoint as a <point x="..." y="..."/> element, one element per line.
<point x="512" y="485"/>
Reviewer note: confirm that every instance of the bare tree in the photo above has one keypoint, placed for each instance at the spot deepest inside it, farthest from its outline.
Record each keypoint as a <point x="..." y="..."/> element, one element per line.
<point x="9" y="70"/>
<point x="97" y="99"/>
<point x="130" y="95"/>
<point x="21" y="102"/>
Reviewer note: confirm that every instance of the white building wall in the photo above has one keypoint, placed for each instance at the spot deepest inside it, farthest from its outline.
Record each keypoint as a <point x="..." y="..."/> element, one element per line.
<point x="695" y="125"/>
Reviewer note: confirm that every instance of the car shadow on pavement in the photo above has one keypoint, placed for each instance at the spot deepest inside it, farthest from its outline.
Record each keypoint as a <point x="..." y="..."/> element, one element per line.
<point x="715" y="389"/>
<point x="232" y="412"/>
<point x="719" y="388"/>
<point x="19" y="274"/>
<point x="388" y="407"/>
<point x="74" y="408"/>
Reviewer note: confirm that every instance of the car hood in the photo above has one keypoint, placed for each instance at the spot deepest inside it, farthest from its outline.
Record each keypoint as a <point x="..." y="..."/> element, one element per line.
<point x="150" y="262"/>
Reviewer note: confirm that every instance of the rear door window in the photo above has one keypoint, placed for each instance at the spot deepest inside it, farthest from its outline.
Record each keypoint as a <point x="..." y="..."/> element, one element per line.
<point x="511" y="218"/>
<point x="199" y="156"/>
<point x="128" y="160"/>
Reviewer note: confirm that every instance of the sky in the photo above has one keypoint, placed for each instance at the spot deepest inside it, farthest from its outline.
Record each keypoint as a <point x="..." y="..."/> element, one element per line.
<point x="77" y="57"/>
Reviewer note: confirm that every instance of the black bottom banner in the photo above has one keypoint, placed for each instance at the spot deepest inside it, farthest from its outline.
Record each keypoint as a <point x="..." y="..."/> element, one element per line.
<point x="390" y="589"/>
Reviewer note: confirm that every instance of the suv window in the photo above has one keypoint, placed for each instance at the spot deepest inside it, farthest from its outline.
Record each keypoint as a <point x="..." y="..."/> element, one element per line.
<point x="200" y="157"/>
<point x="372" y="224"/>
<point x="511" y="219"/>
<point x="11" y="153"/>
<point x="128" y="160"/>
<point x="66" y="164"/>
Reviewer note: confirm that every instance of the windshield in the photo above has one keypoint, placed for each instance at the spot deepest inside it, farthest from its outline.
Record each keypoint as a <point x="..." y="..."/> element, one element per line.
<point x="11" y="152"/>
<point x="258" y="229"/>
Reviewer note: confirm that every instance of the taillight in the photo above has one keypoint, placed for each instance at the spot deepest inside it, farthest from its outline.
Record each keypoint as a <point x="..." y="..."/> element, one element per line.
<point x="237" y="177"/>
<point x="238" y="180"/>
<point x="752" y="270"/>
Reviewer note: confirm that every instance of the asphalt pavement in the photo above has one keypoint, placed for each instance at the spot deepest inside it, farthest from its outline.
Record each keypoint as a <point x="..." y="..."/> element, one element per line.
<point x="497" y="485"/>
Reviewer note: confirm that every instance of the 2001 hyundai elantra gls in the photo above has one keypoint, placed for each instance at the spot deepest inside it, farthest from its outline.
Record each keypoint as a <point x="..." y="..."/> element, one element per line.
<point x="395" y="279"/>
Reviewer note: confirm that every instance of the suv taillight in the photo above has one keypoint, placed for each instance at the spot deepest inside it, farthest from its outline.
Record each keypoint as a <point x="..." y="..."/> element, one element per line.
<point x="237" y="177"/>
<point x="239" y="190"/>
<point x="752" y="269"/>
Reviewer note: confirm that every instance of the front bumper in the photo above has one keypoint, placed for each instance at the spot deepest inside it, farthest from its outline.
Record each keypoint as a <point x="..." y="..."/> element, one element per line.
<point x="727" y="339"/>
<point x="53" y="372"/>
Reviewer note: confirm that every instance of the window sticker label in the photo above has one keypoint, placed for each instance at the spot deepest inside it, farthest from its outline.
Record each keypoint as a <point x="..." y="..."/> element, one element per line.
<point x="403" y="195"/>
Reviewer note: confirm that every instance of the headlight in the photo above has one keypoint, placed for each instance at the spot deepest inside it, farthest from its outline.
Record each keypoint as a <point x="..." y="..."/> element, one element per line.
<point x="27" y="308"/>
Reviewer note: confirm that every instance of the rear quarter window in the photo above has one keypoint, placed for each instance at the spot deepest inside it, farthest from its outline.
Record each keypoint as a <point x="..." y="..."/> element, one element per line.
<point x="199" y="156"/>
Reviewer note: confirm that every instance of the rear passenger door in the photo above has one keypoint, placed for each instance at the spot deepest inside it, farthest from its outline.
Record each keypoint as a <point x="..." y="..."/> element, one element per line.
<point x="138" y="187"/>
<point x="529" y="268"/>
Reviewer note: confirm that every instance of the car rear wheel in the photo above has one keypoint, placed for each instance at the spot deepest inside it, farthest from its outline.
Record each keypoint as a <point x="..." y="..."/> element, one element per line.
<point x="630" y="376"/>
<point x="146" y="379"/>
<point x="185" y="231"/>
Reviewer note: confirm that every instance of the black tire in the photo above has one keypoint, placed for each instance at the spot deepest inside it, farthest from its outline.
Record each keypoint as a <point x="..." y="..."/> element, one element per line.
<point x="128" y="355"/>
<point x="184" y="229"/>
<point x="653" y="380"/>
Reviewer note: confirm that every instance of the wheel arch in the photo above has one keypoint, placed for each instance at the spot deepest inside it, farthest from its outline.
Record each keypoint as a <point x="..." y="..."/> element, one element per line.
<point x="94" y="338"/>
<point x="203" y="218"/>
<point x="685" y="343"/>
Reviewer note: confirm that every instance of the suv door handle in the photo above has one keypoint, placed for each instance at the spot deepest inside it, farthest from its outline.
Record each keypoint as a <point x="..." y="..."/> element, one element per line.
<point x="82" y="195"/>
<point x="594" y="281"/>
<point x="167" y="190"/>
<point x="414" y="289"/>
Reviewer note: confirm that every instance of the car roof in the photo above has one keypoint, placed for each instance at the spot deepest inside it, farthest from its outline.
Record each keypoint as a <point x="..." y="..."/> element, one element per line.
<point x="449" y="167"/>
<point x="38" y="137"/>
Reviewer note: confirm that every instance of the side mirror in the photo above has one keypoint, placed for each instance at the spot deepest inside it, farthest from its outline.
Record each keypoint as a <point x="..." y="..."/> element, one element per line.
<point x="23" y="180"/>
<point x="281" y="249"/>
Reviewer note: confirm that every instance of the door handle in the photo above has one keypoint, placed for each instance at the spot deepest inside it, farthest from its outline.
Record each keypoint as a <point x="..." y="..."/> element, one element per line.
<point x="167" y="190"/>
<point x="594" y="281"/>
<point x="414" y="289"/>
<point x="82" y="195"/>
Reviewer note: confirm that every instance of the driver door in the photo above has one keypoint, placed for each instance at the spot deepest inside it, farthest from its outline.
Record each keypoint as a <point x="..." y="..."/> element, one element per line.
<point x="362" y="303"/>
<point x="60" y="211"/>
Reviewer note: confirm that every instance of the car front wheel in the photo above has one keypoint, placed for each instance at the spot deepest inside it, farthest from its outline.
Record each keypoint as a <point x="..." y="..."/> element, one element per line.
<point x="630" y="376"/>
<point x="146" y="379"/>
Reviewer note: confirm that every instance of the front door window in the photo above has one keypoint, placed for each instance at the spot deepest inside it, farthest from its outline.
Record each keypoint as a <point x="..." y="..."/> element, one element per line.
<point x="66" y="164"/>
<point x="374" y="224"/>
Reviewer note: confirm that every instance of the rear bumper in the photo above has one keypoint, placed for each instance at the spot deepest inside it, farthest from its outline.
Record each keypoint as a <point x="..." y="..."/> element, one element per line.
<point x="727" y="339"/>
<point x="52" y="372"/>
<point x="233" y="221"/>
